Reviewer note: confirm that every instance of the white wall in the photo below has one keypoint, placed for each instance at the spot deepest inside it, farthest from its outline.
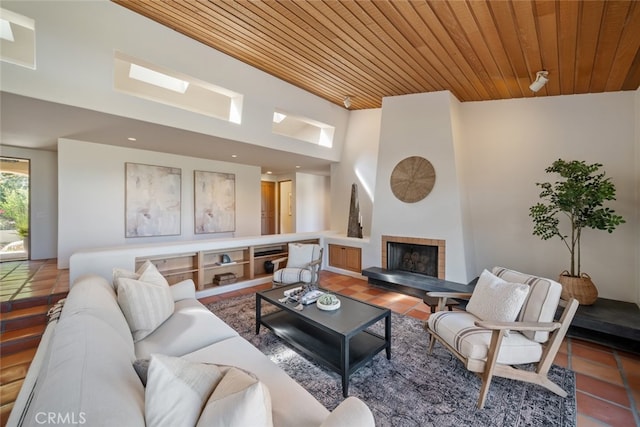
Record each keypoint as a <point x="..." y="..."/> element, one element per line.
<point x="358" y="166"/>
<point x="75" y="45"/>
<point x="91" y="196"/>
<point x="312" y="202"/>
<point x="461" y="157"/>
<point x="501" y="149"/>
<point x="420" y="125"/>
<point x="511" y="142"/>
<point x="44" y="202"/>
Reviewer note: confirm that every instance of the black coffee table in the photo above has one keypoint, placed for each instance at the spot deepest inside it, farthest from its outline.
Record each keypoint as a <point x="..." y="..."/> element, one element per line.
<point x="337" y="339"/>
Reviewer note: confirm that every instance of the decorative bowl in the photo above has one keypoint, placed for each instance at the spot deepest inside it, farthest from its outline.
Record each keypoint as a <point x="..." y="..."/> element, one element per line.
<point x="328" y="302"/>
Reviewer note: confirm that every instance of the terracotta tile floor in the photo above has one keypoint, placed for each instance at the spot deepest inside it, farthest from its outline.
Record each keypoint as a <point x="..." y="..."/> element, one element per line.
<point x="607" y="380"/>
<point x="27" y="279"/>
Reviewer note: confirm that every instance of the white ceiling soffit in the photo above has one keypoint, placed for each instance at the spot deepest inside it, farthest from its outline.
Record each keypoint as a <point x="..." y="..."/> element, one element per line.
<point x="38" y="124"/>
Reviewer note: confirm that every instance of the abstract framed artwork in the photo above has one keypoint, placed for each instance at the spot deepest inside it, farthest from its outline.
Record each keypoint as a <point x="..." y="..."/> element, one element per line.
<point x="153" y="199"/>
<point x="215" y="202"/>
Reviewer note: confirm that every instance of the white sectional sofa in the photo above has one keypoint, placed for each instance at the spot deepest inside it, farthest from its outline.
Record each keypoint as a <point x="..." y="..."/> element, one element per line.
<point x="83" y="371"/>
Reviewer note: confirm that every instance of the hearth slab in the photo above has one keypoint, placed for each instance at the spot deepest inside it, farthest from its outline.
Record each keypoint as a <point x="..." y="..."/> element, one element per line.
<point x="610" y="322"/>
<point x="413" y="283"/>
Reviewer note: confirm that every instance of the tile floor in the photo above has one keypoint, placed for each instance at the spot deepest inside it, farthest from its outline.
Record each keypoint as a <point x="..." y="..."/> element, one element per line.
<point x="28" y="279"/>
<point x="607" y="380"/>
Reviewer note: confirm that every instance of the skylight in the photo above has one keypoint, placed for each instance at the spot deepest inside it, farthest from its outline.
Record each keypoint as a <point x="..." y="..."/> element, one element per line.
<point x="152" y="82"/>
<point x="158" y="79"/>
<point x="278" y="117"/>
<point x="5" y="30"/>
<point x="17" y="39"/>
<point x="302" y="128"/>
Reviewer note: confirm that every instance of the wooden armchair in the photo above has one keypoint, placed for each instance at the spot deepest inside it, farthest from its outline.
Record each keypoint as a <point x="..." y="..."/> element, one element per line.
<point x="303" y="265"/>
<point x="493" y="347"/>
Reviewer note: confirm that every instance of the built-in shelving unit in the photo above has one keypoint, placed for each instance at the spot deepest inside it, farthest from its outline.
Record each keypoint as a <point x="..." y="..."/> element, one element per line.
<point x="213" y="263"/>
<point x="232" y="265"/>
<point x="264" y="253"/>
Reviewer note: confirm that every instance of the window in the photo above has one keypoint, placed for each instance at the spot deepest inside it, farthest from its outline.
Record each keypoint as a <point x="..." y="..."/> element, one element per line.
<point x="142" y="79"/>
<point x="302" y="128"/>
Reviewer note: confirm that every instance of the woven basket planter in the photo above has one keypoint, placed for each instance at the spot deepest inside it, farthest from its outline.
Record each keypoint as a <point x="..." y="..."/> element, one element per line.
<point x="580" y="288"/>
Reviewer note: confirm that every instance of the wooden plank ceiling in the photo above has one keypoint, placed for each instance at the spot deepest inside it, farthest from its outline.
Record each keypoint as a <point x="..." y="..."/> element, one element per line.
<point x="478" y="50"/>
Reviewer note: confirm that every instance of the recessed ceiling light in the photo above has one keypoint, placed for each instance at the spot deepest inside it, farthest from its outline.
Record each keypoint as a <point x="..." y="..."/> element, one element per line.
<point x="132" y="138"/>
<point x="297" y="167"/>
<point x="157" y="79"/>
<point x="269" y="172"/>
<point x="234" y="155"/>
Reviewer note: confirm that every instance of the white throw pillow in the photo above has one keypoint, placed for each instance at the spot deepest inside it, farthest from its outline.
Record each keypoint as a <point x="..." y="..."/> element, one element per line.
<point x="122" y="273"/>
<point x="145" y="305"/>
<point x="177" y="390"/>
<point x="300" y="255"/>
<point x="150" y="274"/>
<point x="239" y="400"/>
<point x="496" y="299"/>
<point x="147" y="272"/>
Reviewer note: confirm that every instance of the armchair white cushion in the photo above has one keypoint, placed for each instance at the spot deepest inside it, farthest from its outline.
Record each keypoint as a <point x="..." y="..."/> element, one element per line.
<point x="303" y="264"/>
<point x="459" y="329"/>
<point x="485" y="347"/>
<point x="541" y="303"/>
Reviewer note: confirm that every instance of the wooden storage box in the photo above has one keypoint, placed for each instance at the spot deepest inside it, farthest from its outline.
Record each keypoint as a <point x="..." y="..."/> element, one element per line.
<point x="224" y="279"/>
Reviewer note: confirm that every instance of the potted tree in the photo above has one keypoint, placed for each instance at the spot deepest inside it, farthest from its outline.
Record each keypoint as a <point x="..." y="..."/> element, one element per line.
<point x="579" y="197"/>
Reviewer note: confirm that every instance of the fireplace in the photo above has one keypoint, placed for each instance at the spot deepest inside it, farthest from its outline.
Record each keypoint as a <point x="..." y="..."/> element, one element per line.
<point x="408" y="266"/>
<point x="414" y="255"/>
<point x="421" y="259"/>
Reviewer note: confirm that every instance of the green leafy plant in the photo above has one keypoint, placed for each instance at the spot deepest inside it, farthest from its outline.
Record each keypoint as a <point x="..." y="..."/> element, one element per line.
<point x="328" y="299"/>
<point x="15" y="206"/>
<point x="580" y="197"/>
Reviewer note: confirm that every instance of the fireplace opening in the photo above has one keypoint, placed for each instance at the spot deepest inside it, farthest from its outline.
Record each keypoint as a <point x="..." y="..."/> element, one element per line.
<point x="414" y="255"/>
<point x="410" y="265"/>
<point x="414" y="258"/>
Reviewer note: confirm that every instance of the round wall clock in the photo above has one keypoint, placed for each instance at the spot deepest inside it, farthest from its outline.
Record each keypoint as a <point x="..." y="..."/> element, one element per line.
<point x="412" y="179"/>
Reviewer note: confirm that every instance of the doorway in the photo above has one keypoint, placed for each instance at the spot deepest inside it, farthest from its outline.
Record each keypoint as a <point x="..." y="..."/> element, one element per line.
<point x="285" y="193"/>
<point x="268" y="211"/>
<point x="14" y="208"/>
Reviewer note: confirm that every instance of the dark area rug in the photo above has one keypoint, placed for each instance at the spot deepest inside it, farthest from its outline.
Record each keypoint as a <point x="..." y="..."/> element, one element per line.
<point x="413" y="388"/>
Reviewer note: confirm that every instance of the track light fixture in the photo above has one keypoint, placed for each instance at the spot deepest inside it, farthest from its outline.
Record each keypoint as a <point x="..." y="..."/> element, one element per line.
<point x="347" y="102"/>
<point x="542" y="77"/>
